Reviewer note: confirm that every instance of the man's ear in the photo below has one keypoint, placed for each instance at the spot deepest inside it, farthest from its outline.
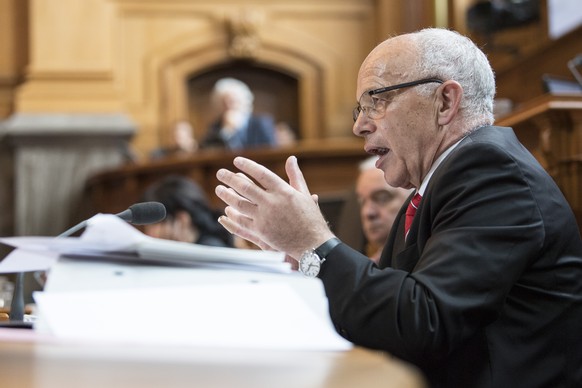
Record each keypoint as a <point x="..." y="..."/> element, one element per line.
<point x="450" y="96"/>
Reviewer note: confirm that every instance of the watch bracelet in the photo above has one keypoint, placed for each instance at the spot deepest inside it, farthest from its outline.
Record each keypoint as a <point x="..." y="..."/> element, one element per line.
<point x="324" y="249"/>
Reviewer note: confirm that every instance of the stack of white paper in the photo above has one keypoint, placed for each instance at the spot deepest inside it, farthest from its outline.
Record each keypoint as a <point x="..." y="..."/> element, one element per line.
<point x="108" y="238"/>
<point x="118" y="285"/>
<point x="251" y="316"/>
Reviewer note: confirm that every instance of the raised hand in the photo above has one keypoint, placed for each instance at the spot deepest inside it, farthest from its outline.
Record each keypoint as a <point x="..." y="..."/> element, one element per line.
<point x="269" y="212"/>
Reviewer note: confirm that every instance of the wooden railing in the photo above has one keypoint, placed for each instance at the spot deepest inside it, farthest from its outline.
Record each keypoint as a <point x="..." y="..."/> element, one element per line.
<point x="329" y="166"/>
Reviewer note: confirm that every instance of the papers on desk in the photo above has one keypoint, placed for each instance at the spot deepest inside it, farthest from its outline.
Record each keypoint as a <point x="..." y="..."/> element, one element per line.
<point x="96" y="292"/>
<point x="109" y="238"/>
<point x="250" y="316"/>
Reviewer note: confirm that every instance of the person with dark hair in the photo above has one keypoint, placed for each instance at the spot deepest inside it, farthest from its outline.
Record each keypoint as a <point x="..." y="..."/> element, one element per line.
<point x="189" y="216"/>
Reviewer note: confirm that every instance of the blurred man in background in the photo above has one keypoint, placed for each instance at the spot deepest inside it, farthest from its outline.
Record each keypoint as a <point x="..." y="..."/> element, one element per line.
<point x="379" y="204"/>
<point x="237" y="127"/>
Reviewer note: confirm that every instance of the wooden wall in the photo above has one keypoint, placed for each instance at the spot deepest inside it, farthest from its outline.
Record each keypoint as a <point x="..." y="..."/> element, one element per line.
<point x="134" y="57"/>
<point x="521" y="81"/>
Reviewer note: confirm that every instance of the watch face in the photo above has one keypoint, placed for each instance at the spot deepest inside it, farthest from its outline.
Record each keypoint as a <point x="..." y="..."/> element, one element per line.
<point x="310" y="264"/>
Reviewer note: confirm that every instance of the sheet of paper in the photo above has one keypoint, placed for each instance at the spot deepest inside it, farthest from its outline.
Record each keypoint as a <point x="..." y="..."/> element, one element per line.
<point x="20" y="260"/>
<point x="108" y="236"/>
<point x="257" y="316"/>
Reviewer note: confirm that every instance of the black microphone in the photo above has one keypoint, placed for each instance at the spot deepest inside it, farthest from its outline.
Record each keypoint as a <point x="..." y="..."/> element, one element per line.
<point x="144" y="213"/>
<point x="141" y="213"/>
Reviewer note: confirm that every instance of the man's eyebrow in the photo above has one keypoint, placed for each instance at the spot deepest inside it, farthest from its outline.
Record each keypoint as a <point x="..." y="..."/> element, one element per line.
<point x="383" y="191"/>
<point x="389" y="193"/>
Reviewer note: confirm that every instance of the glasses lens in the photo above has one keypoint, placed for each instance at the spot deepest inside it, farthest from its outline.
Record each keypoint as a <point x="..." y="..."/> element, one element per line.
<point x="372" y="106"/>
<point x="356" y="112"/>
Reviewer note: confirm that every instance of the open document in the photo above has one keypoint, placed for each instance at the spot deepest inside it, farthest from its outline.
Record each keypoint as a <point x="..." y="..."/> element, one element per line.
<point x="109" y="238"/>
<point x="115" y="284"/>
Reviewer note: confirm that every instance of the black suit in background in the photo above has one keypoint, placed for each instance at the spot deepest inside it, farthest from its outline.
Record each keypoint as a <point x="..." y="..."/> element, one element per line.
<point x="258" y="132"/>
<point x="487" y="289"/>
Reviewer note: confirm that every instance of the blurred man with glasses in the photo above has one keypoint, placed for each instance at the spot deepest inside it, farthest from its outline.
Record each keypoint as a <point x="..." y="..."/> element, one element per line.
<point x="379" y="204"/>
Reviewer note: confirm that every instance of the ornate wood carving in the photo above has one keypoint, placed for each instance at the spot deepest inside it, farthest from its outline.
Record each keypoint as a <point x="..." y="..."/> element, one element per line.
<point x="244" y="28"/>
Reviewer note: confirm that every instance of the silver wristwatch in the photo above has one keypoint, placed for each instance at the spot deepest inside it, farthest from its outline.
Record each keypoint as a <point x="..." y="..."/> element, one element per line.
<point x="311" y="260"/>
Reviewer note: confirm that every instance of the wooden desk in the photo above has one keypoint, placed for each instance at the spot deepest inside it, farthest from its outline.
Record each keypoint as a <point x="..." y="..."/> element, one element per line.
<point x="26" y="363"/>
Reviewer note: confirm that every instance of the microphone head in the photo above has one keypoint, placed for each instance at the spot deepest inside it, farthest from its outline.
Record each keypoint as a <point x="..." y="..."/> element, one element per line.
<point x="144" y="213"/>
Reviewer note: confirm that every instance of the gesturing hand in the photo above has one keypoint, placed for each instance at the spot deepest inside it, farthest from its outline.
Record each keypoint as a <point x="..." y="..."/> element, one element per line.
<point x="271" y="213"/>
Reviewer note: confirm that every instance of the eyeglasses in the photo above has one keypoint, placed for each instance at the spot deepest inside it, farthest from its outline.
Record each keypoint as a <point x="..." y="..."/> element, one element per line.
<point x="378" y="198"/>
<point x="374" y="108"/>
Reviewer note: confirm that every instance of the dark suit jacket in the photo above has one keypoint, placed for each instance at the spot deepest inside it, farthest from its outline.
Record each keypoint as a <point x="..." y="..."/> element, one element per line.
<point x="260" y="131"/>
<point x="487" y="289"/>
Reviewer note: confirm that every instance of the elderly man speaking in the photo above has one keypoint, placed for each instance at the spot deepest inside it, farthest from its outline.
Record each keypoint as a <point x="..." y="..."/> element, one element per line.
<point x="480" y="282"/>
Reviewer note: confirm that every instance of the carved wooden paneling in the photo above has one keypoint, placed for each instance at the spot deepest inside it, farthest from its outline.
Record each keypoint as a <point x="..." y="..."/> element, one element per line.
<point x="550" y="126"/>
<point x="136" y="57"/>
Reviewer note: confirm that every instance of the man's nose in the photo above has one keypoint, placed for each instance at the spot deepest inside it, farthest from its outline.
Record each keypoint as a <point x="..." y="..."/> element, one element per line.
<point x="369" y="209"/>
<point x="362" y="126"/>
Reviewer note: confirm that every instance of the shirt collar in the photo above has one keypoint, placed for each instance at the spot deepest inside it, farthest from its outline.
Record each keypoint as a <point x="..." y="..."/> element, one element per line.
<point x="435" y="165"/>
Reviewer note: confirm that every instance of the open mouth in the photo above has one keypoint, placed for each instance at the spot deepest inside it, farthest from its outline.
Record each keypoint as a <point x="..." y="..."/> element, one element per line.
<point x="377" y="151"/>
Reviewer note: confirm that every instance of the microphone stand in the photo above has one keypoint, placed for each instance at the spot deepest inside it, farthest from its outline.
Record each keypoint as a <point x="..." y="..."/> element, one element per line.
<point x="16" y="316"/>
<point x="17" y="304"/>
<point x="138" y="214"/>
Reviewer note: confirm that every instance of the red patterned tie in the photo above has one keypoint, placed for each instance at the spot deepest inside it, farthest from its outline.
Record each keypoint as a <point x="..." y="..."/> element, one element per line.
<point x="410" y="212"/>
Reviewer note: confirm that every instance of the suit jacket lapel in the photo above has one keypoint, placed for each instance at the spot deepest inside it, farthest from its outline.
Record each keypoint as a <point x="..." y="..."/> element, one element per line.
<point x="395" y="241"/>
<point x="398" y="253"/>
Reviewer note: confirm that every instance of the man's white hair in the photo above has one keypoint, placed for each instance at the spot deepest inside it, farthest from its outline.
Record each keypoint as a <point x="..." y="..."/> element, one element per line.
<point x="448" y="55"/>
<point x="236" y="87"/>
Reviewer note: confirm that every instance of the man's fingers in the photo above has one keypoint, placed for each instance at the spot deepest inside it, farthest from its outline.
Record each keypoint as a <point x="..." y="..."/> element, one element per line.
<point x="233" y="225"/>
<point x="235" y="228"/>
<point x="241" y="184"/>
<point x="265" y="177"/>
<point x="240" y="174"/>
<point x="296" y="179"/>
<point x="234" y="199"/>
